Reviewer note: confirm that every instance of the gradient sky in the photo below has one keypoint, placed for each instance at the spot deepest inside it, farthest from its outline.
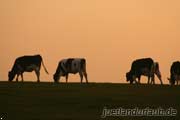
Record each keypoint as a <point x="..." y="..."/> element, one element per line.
<point x="110" y="34"/>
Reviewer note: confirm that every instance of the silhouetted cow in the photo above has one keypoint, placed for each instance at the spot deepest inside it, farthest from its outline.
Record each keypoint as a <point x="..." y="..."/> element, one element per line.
<point x="174" y="73"/>
<point x="146" y="67"/>
<point x="71" y="65"/>
<point x="26" y="64"/>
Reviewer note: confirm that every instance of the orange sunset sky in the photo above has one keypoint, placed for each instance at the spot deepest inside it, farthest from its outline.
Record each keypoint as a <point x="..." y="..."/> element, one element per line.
<point x="110" y="34"/>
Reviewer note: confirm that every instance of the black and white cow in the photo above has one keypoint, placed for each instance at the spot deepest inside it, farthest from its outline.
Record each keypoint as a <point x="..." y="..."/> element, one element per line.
<point x="71" y="65"/>
<point x="146" y="67"/>
<point x="26" y="64"/>
<point x="174" y="73"/>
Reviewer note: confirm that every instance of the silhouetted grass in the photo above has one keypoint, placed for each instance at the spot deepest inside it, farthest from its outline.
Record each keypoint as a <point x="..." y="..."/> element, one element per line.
<point x="74" y="101"/>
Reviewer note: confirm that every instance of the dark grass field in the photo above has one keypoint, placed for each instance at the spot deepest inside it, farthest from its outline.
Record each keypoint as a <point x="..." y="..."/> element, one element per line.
<point x="75" y="101"/>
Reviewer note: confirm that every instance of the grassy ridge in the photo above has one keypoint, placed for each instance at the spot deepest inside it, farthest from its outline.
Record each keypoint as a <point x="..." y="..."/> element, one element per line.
<point x="74" y="101"/>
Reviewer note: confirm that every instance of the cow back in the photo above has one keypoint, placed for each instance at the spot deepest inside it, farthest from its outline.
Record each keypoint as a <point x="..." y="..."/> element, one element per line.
<point x="27" y="63"/>
<point x="140" y="64"/>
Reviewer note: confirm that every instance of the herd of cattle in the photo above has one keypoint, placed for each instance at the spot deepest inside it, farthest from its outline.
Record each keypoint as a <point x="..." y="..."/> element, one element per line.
<point x="33" y="63"/>
<point x="139" y="67"/>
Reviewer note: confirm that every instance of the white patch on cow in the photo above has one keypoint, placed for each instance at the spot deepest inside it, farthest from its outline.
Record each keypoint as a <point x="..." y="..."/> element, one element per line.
<point x="76" y="66"/>
<point x="63" y="63"/>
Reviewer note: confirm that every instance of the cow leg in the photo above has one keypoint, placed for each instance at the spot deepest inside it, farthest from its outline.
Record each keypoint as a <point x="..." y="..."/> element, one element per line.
<point x="152" y="79"/>
<point x="38" y="75"/>
<point x="134" y="79"/>
<point x="17" y="77"/>
<point x="66" y="78"/>
<point x="139" y="78"/>
<point x="81" y="76"/>
<point x="85" y="75"/>
<point x="131" y="81"/>
<point x="177" y="82"/>
<point x="149" y="79"/>
<point x="161" y="81"/>
<point x="22" y="77"/>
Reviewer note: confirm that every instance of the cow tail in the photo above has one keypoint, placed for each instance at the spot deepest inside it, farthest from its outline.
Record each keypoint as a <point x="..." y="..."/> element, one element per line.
<point x="44" y="67"/>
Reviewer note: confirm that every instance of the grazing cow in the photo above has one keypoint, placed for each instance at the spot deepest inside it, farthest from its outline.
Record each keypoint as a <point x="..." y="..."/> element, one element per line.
<point x="146" y="67"/>
<point x="71" y="65"/>
<point x="174" y="73"/>
<point x="26" y="64"/>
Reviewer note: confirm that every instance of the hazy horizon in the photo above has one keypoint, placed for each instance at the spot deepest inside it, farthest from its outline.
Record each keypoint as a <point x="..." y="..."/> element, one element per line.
<point x="109" y="34"/>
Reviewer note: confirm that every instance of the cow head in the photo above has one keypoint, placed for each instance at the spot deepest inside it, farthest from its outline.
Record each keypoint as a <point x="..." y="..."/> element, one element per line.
<point x="56" y="77"/>
<point x="129" y="77"/>
<point x="171" y="81"/>
<point x="11" y="75"/>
